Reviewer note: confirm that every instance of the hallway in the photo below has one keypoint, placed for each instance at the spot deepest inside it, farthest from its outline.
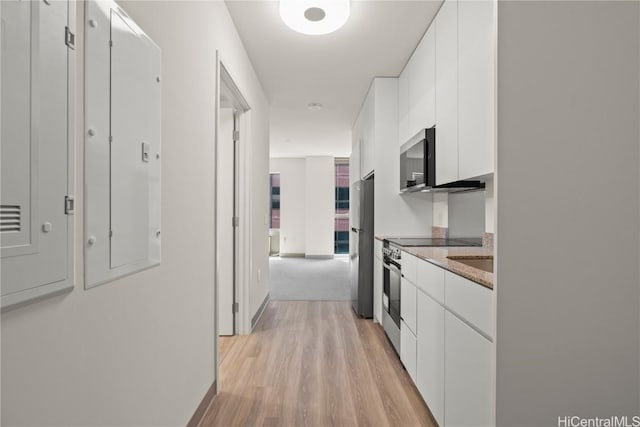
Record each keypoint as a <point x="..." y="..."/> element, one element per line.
<point x="313" y="363"/>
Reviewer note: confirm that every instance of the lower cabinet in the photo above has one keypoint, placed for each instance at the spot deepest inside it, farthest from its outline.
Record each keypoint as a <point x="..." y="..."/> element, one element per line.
<point x="430" y="353"/>
<point x="408" y="304"/>
<point x="408" y="347"/>
<point x="377" y="288"/>
<point x="467" y="375"/>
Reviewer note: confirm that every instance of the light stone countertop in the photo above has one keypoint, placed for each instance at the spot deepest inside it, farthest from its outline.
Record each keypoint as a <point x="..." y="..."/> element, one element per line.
<point x="438" y="256"/>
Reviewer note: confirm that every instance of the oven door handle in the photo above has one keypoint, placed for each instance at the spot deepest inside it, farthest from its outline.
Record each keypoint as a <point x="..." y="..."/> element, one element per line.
<point x="392" y="265"/>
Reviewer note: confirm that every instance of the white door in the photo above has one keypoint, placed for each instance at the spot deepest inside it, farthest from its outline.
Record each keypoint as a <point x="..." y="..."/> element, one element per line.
<point x="225" y="228"/>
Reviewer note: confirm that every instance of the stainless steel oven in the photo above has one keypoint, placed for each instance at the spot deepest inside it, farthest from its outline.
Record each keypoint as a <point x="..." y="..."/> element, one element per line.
<point x="392" y="274"/>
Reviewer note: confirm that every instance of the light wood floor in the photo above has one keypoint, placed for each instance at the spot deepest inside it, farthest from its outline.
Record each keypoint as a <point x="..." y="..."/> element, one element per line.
<point x="314" y="363"/>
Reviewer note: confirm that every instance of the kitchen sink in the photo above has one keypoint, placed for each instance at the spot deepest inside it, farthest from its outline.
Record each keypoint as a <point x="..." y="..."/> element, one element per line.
<point x="484" y="263"/>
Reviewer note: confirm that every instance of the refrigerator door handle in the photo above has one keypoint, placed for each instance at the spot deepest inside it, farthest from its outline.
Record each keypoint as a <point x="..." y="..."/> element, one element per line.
<point x="356" y="230"/>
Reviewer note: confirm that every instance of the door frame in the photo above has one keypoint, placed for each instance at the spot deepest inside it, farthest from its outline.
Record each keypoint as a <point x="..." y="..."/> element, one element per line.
<point x="242" y="233"/>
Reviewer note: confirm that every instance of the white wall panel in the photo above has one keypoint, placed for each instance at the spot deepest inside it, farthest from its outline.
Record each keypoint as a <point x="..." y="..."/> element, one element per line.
<point x="37" y="150"/>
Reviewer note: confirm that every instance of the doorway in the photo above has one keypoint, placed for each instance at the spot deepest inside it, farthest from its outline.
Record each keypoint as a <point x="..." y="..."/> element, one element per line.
<point x="231" y="255"/>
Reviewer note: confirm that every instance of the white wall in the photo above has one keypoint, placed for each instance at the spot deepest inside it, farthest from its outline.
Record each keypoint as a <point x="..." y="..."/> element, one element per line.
<point x="441" y="209"/>
<point x="568" y="211"/>
<point x="140" y="350"/>
<point x="394" y="215"/>
<point x="466" y="214"/>
<point x="292" y="204"/>
<point x="320" y="206"/>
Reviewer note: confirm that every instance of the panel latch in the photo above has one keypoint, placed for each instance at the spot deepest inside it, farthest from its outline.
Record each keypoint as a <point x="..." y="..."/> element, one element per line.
<point x="69" y="205"/>
<point x="69" y="38"/>
<point x="145" y="152"/>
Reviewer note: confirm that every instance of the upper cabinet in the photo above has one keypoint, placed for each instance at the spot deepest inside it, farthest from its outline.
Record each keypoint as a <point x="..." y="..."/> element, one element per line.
<point x="367" y="144"/>
<point x="375" y="122"/>
<point x="354" y="160"/>
<point x="416" y="89"/>
<point x="446" y="24"/>
<point x="449" y="82"/>
<point x="476" y="83"/>
<point x="422" y="82"/>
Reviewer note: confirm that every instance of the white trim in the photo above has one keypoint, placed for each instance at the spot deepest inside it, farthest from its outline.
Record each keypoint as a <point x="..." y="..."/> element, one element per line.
<point x="243" y="192"/>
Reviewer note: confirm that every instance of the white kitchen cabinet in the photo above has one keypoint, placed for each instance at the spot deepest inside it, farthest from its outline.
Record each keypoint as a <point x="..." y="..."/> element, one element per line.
<point x="470" y="301"/>
<point x="431" y="280"/>
<point x="377" y="248"/>
<point x="408" y="304"/>
<point x="354" y="159"/>
<point x="367" y="144"/>
<point x="410" y="267"/>
<point x="430" y="355"/>
<point x="377" y="283"/>
<point x="408" y="350"/>
<point x="422" y="101"/>
<point x="468" y="372"/>
<point x="446" y="23"/>
<point x="476" y="82"/>
<point x="403" y="107"/>
<point x="37" y="150"/>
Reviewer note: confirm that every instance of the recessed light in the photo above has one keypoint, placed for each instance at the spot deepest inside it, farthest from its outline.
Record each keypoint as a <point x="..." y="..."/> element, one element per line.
<point x="314" y="17"/>
<point x="315" y="106"/>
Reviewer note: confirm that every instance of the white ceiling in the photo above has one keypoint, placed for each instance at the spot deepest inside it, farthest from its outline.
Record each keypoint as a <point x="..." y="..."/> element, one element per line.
<point x="334" y="69"/>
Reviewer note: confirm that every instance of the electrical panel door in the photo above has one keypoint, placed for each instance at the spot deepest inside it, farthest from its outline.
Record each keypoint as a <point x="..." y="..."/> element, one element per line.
<point x="122" y="145"/>
<point x="37" y="156"/>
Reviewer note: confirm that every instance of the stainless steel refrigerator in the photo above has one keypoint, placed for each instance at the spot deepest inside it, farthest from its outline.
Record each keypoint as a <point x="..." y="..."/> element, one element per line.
<point x="361" y="247"/>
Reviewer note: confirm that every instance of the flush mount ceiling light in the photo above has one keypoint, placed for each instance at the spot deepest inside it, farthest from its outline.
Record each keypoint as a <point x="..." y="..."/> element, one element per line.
<point x="314" y="106"/>
<point x="314" y="17"/>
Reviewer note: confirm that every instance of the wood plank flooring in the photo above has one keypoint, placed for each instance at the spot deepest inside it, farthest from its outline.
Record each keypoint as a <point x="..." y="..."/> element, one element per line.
<point x="314" y="363"/>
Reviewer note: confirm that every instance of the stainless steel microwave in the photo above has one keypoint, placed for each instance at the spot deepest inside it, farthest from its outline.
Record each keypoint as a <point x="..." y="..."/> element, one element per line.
<point x="418" y="166"/>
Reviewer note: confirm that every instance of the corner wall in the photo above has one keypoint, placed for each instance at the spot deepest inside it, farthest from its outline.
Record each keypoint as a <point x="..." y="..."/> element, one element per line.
<point x="568" y="211"/>
<point x="140" y="350"/>
<point x="292" y="204"/>
<point x="320" y="206"/>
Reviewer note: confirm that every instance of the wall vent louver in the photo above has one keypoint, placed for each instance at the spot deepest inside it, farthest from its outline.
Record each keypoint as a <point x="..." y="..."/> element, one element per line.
<point x="10" y="218"/>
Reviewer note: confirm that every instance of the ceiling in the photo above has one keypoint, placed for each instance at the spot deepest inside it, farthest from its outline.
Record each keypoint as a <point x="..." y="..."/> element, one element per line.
<point x="333" y="69"/>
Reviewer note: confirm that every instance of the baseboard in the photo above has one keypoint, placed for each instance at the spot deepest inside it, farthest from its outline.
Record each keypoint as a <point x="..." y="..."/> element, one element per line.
<point x="258" y="315"/>
<point x="201" y="410"/>
<point x="291" y="255"/>
<point x="319" y="256"/>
